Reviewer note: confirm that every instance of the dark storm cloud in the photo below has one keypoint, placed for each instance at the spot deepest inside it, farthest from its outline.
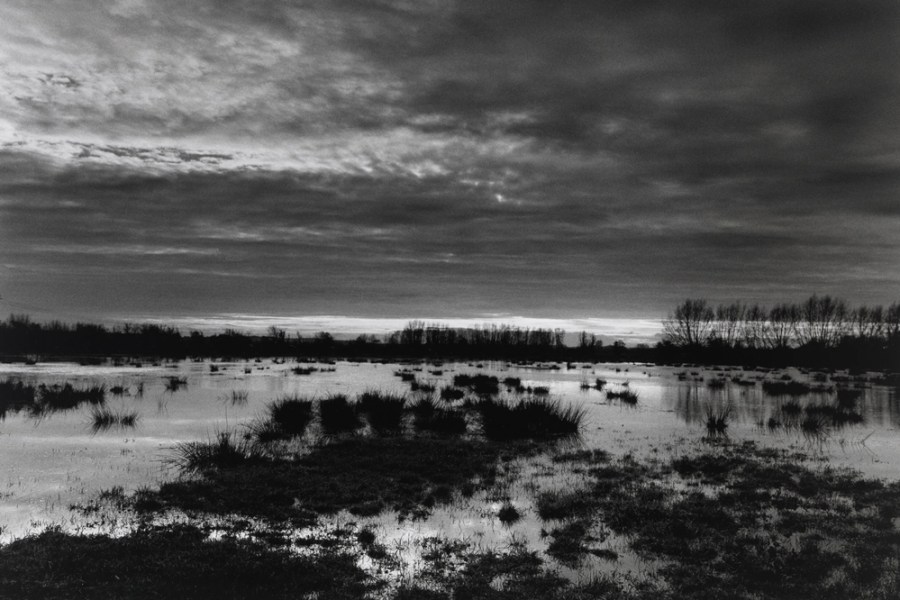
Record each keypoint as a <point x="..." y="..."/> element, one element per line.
<point x="391" y="157"/>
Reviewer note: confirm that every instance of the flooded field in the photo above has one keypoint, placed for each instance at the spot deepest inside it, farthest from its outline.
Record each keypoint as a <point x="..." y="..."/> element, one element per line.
<point x="56" y="457"/>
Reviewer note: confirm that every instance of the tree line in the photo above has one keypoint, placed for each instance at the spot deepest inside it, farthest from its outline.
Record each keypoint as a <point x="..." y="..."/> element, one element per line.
<point x="823" y="328"/>
<point x="21" y="338"/>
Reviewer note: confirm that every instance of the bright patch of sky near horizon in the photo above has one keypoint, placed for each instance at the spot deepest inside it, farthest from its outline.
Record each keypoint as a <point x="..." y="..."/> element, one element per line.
<point x="388" y="159"/>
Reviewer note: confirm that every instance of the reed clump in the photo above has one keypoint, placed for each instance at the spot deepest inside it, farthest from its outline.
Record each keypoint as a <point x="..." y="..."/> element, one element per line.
<point x="529" y="418"/>
<point x="337" y="414"/>
<point x="626" y="396"/>
<point x="104" y="418"/>
<point x="384" y="412"/>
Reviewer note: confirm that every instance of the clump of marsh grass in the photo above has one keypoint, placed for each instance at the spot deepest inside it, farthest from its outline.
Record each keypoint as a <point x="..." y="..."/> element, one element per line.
<point x="626" y="396"/>
<point x="835" y="414"/>
<point x="236" y="397"/>
<point x="449" y="393"/>
<point x="483" y="385"/>
<point x="436" y="418"/>
<point x="716" y="384"/>
<point x="563" y="504"/>
<point x="420" y="386"/>
<point x="792" y="408"/>
<point x="225" y="451"/>
<point x="508" y="514"/>
<point x="104" y="418"/>
<point x="785" y="387"/>
<point x="512" y="382"/>
<point x="848" y="397"/>
<point x="530" y="418"/>
<point x="743" y="382"/>
<point x="174" y="383"/>
<point x="599" y="383"/>
<point x="303" y="370"/>
<point x="55" y="398"/>
<point x="384" y="412"/>
<point x="717" y="420"/>
<point x="337" y="414"/>
<point x="289" y="416"/>
<point x="15" y="396"/>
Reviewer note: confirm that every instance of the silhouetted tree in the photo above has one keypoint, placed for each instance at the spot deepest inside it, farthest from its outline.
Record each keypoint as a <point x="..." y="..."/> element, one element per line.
<point x="690" y="324"/>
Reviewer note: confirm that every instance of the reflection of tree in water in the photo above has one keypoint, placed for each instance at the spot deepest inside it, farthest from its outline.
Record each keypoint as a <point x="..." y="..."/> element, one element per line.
<point x="880" y="406"/>
<point x="691" y="401"/>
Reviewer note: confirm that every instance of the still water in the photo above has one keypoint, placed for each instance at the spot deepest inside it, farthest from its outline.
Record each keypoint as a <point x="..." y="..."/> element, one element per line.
<point x="50" y="462"/>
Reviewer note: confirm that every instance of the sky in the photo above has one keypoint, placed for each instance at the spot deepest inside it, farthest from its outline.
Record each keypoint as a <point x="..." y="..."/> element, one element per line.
<point x="356" y="163"/>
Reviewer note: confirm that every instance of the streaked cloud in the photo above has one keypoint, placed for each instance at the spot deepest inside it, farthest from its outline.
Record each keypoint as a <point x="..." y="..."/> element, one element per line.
<point x="388" y="158"/>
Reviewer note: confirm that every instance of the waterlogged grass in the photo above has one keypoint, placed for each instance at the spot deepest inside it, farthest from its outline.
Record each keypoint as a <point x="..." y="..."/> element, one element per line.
<point x="226" y="450"/>
<point x="775" y="529"/>
<point x="291" y="415"/>
<point x="733" y="521"/>
<point x="104" y="418"/>
<point x="451" y="394"/>
<point x="174" y="383"/>
<point x="438" y="417"/>
<point x="529" y="418"/>
<point x="483" y="385"/>
<point x="338" y="415"/>
<point x="364" y="475"/>
<point x="15" y="396"/>
<point x="625" y="395"/>
<point x="717" y="418"/>
<point x="455" y="570"/>
<point x="384" y="412"/>
<point x="786" y="388"/>
<point x="171" y="562"/>
<point x="236" y="398"/>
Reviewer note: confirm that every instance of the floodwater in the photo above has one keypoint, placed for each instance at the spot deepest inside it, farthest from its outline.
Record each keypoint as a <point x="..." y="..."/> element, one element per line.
<point x="49" y="463"/>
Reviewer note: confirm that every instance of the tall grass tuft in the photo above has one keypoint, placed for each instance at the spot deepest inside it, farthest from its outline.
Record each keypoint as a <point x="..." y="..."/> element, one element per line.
<point x="716" y="384"/>
<point x="429" y="415"/>
<point x="383" y="411"/>
<point x="785" y="388"/>
<point x="530" y="418"/>
<point x="54" y="398"/>
<point x="236" y="397"/>
<point x="104" y="418"/>
<point x="226" y="450"/>
<point x="483" y="385"/>
<point x="15" y="396"/>
<point x="337" y="414"/>
<point x="173" y="383"/>
<point x="626" y="396"/>
<point x="848" y="397"/>
<point x="449" y="393"/>
<point x="291" y="415"/>
<point x="717" y="420"/>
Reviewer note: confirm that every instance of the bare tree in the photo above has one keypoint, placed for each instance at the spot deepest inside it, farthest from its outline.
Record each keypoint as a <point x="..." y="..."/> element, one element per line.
<point x="755" y="326"/>
<point x="823" y="320"/>
<point x="729" y="323"/>
<point x="892" y="322"/>
<point x="781" y="327"/>
<point x="867" y="322"/>
<point x="690" y="324"/>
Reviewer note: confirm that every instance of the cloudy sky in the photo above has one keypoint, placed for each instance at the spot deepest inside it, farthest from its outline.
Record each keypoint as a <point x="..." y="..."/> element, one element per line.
<point x="217" y="160"/>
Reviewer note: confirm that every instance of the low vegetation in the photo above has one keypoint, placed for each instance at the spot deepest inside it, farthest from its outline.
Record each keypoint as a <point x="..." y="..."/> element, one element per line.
<point x="529" y="418"/>
<point x="104" y="418"/>
<point x="171" y="562"/>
